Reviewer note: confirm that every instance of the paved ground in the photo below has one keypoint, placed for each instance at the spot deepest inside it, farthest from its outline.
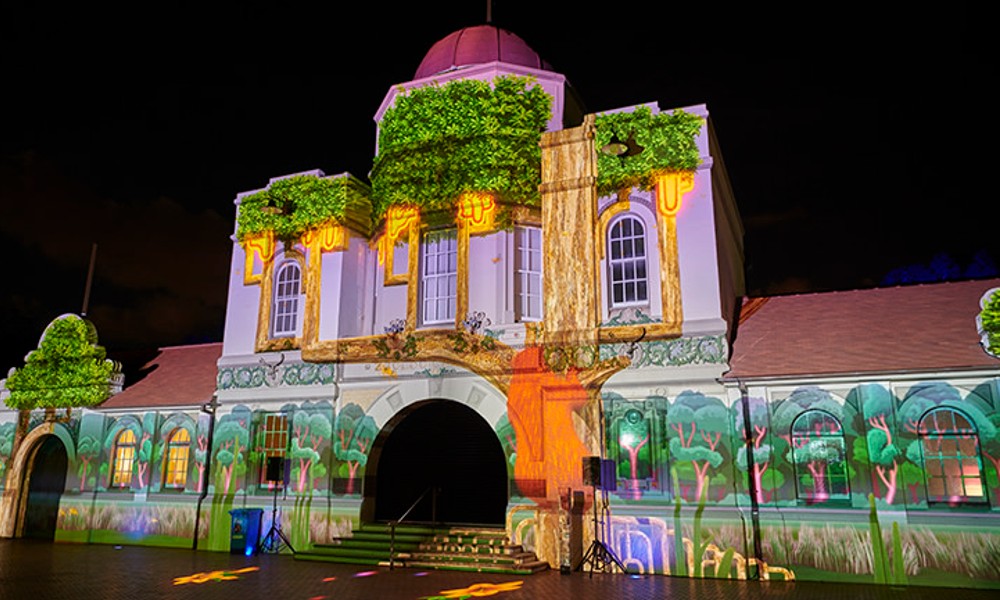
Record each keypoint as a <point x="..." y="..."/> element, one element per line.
<point x="44" y="571"/>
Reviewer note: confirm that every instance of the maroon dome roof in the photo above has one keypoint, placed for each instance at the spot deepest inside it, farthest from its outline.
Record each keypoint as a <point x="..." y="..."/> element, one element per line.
<point x="478" y="45"/>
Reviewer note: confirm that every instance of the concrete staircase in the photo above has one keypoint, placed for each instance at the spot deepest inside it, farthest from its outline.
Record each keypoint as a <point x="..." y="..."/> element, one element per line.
<point x="476" y="549"/>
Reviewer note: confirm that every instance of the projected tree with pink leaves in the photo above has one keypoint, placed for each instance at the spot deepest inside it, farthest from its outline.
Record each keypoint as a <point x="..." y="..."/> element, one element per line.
<point x="883" y="445"/>
<point x="87" y="450"/>
<point x="311" y="431"/>
<point x="232" y="437"/>
<point x="762" y="454"/>
<point x="699" y="424"/>
<point x="355" y="433"/>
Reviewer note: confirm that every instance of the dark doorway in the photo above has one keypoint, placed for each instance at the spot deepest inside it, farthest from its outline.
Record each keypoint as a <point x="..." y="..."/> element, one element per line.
<point x="446" y="450"/>
<point x="47" y="480"/>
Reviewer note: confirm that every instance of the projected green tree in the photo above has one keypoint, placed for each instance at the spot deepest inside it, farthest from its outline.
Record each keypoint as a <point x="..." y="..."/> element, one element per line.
<point x="68" y="369"/>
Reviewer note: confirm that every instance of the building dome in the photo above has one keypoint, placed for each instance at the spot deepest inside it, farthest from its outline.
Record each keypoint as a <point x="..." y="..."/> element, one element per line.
<point x="478" y="45"/>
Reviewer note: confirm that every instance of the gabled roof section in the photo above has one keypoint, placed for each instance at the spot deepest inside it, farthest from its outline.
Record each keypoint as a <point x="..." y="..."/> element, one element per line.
<point x="178" y="376"/>
<point x="919" y="328"/>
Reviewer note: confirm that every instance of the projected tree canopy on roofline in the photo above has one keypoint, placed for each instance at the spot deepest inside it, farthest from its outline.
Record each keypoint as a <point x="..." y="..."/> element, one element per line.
<point x="441" y="143"/>
<point x="68" y="369"/>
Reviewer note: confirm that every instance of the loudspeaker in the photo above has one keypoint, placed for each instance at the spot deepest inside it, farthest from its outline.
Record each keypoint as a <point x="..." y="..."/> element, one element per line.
<point x="609" y="475"/>
<point x="275" y="469"/>
<point x="592" y="470"/>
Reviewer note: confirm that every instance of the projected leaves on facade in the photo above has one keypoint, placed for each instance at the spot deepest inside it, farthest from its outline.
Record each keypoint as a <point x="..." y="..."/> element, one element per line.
<point x="68" y="369"/>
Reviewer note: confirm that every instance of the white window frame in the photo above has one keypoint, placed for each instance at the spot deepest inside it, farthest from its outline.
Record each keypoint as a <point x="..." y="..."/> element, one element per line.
<point x="528" y="299"/>
<point x="628" y="267"/>
<point x="439" y="277"/>
<point x="287" y="295"/>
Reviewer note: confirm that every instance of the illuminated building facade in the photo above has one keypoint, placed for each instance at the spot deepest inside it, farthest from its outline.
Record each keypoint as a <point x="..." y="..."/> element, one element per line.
<point x="523" y="286"/>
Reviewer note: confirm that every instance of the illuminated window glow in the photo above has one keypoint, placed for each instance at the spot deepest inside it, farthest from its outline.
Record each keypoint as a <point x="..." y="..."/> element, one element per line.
<point x="527" y="274"/>
<point x="439" y="278"/>
<point x="950" y="444"/>
<point x="178" y="454"/>
<point x="626" y="255"/>
<point x="124" y="458"/>
<point x="285" y="311"/>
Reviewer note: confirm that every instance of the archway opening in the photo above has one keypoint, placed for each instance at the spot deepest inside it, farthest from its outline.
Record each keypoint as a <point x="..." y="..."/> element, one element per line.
<point x="445" y="454"/>
<point x="46" y="482"/>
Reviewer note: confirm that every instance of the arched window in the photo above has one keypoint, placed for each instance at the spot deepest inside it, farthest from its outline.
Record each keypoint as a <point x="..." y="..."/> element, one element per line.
<point x="285" y="311"/>
<point x="178" y="453"/>
<point x="123" y="457"/>
<point x="950" y="444"/>
<point x="626" y="252"/>
<point x="819" y="455"/>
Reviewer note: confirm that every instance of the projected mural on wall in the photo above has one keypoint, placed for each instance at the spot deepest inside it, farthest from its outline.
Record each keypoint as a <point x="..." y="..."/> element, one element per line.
<point x="546" y="286"/>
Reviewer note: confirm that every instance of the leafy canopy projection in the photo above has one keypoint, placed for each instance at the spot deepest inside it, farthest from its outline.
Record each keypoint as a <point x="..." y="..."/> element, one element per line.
<point x="68" y="369"/>
<point x="667" y="139"/>
<point x="989" y="320"/>
<point x="440" y="141"/>
<point x="291" y="206"/>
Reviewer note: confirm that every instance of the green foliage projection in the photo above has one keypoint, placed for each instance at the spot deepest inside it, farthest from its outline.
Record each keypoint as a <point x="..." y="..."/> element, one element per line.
<point x="68" y="369"/>
<point x="668" y="141"/>
<point x="301" y="203"/>
<point x="990" y="319"/>
<point x="440" y="141"/>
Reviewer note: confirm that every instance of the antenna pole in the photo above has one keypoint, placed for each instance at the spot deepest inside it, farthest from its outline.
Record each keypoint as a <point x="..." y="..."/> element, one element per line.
<point x="489" y="12"/>
<point x="90" y="278"/>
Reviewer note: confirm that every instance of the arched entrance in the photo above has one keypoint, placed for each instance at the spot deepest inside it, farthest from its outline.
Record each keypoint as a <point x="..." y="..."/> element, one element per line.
<point x="46" y="479"/>
<point x="447" y="448"/>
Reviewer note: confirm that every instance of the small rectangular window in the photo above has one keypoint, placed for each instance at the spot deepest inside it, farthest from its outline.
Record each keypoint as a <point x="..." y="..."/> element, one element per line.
<point x="274" y="442"/>
<point x="527" y="273"/>
<point x="439" y="277"/>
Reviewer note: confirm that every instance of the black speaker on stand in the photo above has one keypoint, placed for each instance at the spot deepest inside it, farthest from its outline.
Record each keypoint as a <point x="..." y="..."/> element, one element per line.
<point x="599" y="474"/>
<point x="276" y="472"/>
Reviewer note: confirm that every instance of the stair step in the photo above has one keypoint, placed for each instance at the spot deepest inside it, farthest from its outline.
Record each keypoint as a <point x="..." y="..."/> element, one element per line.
<point x="484" y="550"/>
<point x="523" y="569"/>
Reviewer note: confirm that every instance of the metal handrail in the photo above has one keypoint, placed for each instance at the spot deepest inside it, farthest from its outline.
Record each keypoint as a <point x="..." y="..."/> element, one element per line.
<point x="392" y="526"/>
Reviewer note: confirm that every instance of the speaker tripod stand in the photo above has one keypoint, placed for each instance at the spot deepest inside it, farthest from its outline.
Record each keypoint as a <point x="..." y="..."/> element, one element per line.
<point x="274" y="539"/>
<point x="599" y="556"/>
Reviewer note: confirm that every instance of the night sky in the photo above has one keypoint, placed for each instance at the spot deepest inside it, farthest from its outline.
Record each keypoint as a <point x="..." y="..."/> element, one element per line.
<point x="853" y="135"/>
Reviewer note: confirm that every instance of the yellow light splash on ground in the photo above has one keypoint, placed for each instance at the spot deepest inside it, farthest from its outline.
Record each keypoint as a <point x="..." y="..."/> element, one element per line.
<point x="213" y="576"/>
<point x="478" y="590"/>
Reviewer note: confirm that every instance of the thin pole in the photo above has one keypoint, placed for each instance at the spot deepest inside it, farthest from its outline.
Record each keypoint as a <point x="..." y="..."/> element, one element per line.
<point x="90" y="278"/>
<point x="489" y="12"/>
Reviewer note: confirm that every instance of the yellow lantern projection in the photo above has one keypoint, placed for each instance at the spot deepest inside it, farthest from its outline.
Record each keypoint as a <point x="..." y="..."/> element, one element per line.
<point x="477" y="211"/>
<point x="670" y="190"/>
<point x="263" y="246"/>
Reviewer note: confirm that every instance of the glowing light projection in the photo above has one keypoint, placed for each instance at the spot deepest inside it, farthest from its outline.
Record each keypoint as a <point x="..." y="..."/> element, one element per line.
<point x="670" y="190"/>
<point x="213" y="576"/>
<point x="261" y="245"/>
<point x="399" y="220"/>
<point x="328" y="238"/>
<point x="477" y="211"/>
<point x="478" y="590"/>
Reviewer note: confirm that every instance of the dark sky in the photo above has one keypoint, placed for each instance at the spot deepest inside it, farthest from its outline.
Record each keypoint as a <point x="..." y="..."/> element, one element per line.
<point x="853" y="134"/>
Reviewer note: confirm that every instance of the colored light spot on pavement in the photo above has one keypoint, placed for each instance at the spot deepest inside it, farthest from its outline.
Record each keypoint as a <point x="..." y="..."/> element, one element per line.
<point x="479" y="590"/>
<point x="213" y="576"/>
<point x="365" y="573"/>
<point x="329" y="579"/>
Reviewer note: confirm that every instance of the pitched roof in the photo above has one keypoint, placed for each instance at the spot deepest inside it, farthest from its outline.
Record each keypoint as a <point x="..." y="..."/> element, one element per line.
<point x="918" y="328"/>
<point x="177" y="376"/>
